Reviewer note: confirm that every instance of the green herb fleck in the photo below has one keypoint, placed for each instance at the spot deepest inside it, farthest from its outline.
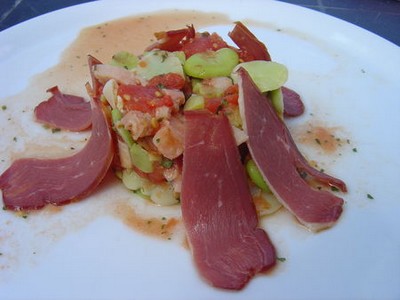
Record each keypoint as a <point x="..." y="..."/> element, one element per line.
<point x="369" y="196"/>
<point x="334" y="189"/>
<point x="355" y="150"/>
<point x="281" y="259"/>
<point x="54" y="130"/>
<point x="14" y="138"/>
<point x="3" y="107"/>
<point x="318" y="141"/>
<point x="167" y="163"/>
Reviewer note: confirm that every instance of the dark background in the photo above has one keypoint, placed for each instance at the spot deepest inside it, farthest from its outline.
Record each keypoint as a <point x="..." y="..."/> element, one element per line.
<point x="381" y="17"/>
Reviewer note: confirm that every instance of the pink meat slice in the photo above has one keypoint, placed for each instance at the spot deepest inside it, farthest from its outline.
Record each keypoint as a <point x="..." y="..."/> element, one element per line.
<point x="64" y="111"/>
<point x="292" y="104"/>
<point x="32" y="183"/>
<point x="218" y="213"/>
<point x="281" y="163"/>
<point x="249" y="45"/>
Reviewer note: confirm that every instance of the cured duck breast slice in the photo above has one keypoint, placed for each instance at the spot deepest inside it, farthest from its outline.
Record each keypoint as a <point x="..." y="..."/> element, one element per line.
<point x="64" y="111"/>
<point x="280" y="162"/>
<point x="31" y="183"/>
<point x="217" y="208"/>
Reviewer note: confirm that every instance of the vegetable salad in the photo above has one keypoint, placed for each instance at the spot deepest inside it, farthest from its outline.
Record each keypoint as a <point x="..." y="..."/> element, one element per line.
<point x="147" y="94"/>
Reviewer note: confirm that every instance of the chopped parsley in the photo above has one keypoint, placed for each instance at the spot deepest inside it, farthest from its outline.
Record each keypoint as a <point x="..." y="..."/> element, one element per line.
<point x="3" y="107"/>
<point x="355" y="150"/>
<point x="281" y="259"/>
<point x="369" y="196"/>
<point x="167" y="163"/>
<point x="334" y="189"/>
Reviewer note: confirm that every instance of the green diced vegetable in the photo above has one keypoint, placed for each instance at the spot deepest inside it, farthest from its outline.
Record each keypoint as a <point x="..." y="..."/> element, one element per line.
<point x="194" y="102"/>
<point x="267" y="75"/>
<point x="211" y="63"/>
<point x="211" y="88"/>
<point x="163" y="195"/>
<point x="158" y="62"/>
<point x="141" y="158"/>
<point x="116" y="116"/>
<point x="277" y="101"/>
<point x="124" y="59"/>
<point x="255" y="175"/>
<point x="132" y="180"/>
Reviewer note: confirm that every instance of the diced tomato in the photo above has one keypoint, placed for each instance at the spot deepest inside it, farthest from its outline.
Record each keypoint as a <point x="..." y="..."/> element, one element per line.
<point x="212" y="104"/>
<point x="143" y="98"/>
<point x="229" y="98"/>
<point x="202" y="43"/>
<point x="168" y="81"/>
<point x="231" y="95"/>
<point x="157" y="176"/>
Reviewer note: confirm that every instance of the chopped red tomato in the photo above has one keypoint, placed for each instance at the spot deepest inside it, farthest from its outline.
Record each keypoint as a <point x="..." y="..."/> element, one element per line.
<point x="231" y="94"/>
<point x="213" y="104"/>
<point x="143" y="98"/>
<point x="168" y="81"/>
<point x="229" y="98"/>
<point x="202" y="43"/>
<point x="157" y="176"/>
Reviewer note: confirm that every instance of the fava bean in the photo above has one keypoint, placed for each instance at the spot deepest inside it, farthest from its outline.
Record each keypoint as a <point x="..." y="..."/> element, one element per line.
<point x="267" y="75"/>
<point x="211" y="63"/>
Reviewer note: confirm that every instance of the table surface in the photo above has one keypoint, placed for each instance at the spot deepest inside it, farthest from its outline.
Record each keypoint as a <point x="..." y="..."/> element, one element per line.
<point x="381" y="17"/>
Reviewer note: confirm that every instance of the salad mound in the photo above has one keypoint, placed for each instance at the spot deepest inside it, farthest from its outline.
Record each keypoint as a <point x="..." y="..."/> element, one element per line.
<point x="148" y="94"/>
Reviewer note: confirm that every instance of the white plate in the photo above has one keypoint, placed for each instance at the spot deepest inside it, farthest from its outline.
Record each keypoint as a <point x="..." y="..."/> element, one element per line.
<point x="348" y="78"/>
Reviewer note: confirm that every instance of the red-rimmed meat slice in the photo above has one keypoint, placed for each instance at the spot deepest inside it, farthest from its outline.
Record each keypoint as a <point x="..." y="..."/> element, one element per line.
<point x="64" y="111"/>
<point x="276" y="155"/>
<point x="32" y="183"/>
<point x="250" y="47"/>
<point x="172" y="40"/>
<point x="218" y="213"/>
<point x="292" y="104"/>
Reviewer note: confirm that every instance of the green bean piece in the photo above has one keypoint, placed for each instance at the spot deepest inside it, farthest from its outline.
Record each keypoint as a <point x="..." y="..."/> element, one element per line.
<point x="211" y="63"/>
<point x="255" y="175"/>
